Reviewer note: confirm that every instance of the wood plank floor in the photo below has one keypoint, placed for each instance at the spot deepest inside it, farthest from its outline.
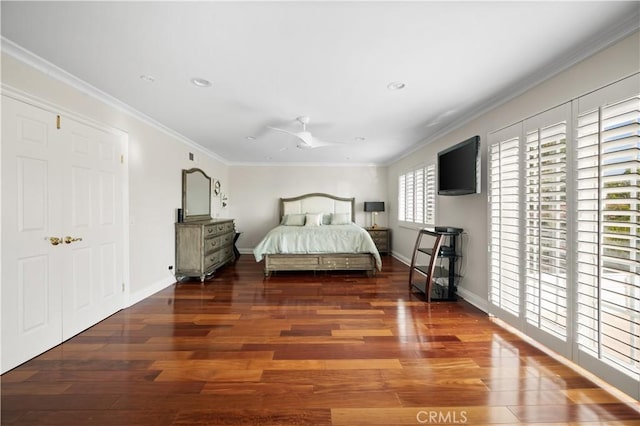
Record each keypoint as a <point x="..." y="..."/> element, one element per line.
<point x="335" y="348"/>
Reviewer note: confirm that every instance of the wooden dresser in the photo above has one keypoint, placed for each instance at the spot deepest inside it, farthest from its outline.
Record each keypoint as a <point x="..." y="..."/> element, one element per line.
<point x="202" y="247"/>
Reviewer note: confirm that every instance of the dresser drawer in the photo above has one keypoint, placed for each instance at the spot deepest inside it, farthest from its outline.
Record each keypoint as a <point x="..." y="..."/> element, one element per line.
<point x="228" y="227"/>
<point x="211" y="230"/>
<point x="212" y="244"/>
<point x="380" y="241"/>
<point x="226" y="253"/>
<point x="222" y="228"/>
<point x="227" y="239"/>
<point x="346" y="262"/>
<point x="378" y="235"/>
<point x="212" y="259"/>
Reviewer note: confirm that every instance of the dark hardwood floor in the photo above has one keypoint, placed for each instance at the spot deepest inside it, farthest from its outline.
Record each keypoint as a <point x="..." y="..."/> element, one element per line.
<point x="335" y="348"/>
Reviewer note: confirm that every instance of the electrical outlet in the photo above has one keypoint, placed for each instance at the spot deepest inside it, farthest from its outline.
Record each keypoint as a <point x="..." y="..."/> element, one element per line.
<point x="171" y="267"/>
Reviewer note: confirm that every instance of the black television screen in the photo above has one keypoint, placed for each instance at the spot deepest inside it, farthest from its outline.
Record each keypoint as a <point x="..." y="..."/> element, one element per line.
<point x="459" y="168"/>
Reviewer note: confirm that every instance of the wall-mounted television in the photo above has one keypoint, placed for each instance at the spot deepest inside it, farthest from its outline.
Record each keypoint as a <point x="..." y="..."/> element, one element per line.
<point x="459" y="168"/>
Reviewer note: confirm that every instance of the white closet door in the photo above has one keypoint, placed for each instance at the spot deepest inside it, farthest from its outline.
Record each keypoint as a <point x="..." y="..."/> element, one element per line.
<point x="64" y="183"/>
<point x="31" y="213"/>
<point x="92" y="199"/>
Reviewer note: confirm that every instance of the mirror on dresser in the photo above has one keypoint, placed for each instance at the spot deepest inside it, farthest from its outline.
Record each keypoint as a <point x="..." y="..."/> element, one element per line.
<point x="196" y="195"/>
<point x="203" y="244"/>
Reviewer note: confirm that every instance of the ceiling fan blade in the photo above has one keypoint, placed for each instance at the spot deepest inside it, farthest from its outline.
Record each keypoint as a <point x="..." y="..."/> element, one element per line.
<point x="306" y="140"/>
<point x="305" y="137"/>
<point x="319" y="143"/>
<point x="283" y="131"/>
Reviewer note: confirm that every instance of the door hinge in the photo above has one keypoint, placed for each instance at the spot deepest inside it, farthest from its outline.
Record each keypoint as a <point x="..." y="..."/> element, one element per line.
<point x="121" y="158"/>
<point x="58" y="122"/>
<point x="123" y="287"/>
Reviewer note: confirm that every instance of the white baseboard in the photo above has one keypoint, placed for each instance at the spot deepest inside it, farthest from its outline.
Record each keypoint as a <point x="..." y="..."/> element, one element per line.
<point x="472" y="298"/>
<point x="136" y="297"/>
<point x="402" y="259"/>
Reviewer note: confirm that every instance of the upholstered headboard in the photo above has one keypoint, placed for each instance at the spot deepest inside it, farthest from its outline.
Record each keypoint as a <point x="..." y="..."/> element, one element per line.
<point x="318" y="203"/>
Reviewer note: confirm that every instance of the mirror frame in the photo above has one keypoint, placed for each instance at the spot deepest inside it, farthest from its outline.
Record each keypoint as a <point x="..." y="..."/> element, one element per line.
<point x="185" y="196"/>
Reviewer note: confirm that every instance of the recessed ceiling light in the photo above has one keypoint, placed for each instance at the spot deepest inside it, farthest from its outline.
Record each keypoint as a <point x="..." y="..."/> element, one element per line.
<point x="148" y="78"/>
<point x="395" y="85"/>
<point x="200" y="82"/>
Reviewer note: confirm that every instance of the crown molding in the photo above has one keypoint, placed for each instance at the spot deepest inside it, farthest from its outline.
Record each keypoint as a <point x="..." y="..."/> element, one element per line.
<point x="302" y="164"/>
<point x="51" y="70"/>
<point x="590" y="47"/>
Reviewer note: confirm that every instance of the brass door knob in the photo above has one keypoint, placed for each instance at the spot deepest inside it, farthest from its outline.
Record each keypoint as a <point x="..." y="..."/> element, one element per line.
<point x="68" y="239"/>
<point x="54" y="240"/>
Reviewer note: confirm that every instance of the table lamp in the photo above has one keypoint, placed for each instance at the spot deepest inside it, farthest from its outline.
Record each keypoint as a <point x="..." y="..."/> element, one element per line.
<point x="374" y="207"/>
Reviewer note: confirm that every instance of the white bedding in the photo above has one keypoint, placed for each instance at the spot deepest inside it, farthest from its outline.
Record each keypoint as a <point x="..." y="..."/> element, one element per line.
<point x="349" y="238"/>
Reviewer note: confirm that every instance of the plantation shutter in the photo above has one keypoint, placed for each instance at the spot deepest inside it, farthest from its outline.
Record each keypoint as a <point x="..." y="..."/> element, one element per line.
<point x="402" y="197"/>
<point x="545" y="227"/>
<point x="410" y="200"/>
<point x="430" y="195"/>
<point x="419" y="196"/>
<point x="608" y="235"/>
<point x="504" y="230"/>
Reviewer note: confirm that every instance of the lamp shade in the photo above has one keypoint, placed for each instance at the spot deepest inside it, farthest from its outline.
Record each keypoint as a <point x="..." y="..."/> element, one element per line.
<point x="374" y="206"/>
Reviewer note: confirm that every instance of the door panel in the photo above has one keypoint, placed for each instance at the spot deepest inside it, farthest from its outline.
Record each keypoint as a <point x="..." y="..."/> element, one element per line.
<point x="33" y="291"/>
<point x="109" y="284"/>
<point x="107" y="195"/>
<point x="32" y="175"/>
<point x="81" y="198"/>
<point x="82" y="276"/>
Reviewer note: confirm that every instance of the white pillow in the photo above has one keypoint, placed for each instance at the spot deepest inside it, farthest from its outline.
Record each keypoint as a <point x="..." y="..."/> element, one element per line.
<point x="340" y="218"/>
<point x="293" y="220"/>
<point x="313" y="219"/>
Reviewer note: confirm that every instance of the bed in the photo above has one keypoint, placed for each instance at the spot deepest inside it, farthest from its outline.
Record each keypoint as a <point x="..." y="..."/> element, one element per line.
<point x="317" y="232"/>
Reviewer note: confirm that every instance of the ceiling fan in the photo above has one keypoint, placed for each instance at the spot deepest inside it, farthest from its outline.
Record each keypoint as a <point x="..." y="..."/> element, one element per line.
<point x="305" y="139"/>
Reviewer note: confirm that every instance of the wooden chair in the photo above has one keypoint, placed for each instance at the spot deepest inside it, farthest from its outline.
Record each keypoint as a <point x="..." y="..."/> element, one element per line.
<point x="429" y="269"/>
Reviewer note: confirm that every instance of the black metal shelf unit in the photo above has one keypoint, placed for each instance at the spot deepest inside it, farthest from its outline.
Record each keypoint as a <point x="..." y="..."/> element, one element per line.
<point x="444" y="278"/>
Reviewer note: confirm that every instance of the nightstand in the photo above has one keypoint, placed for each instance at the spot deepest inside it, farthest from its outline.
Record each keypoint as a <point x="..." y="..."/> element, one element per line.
<point x="382" y="238"/>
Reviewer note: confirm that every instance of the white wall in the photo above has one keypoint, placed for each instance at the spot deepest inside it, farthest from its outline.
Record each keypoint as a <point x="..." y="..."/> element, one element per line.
<point x="155" y="162"/>
<point x="470" y="211"/>
<point x="257" y="190"/>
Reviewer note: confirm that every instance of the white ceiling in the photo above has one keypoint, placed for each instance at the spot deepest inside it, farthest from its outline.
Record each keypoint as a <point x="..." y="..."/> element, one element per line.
<point x="270" y="62"/>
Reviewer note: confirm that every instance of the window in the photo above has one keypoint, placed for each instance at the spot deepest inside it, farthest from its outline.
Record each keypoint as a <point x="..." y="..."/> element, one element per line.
<point x="565" y="230"/>
<point x="417" y="196"/>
